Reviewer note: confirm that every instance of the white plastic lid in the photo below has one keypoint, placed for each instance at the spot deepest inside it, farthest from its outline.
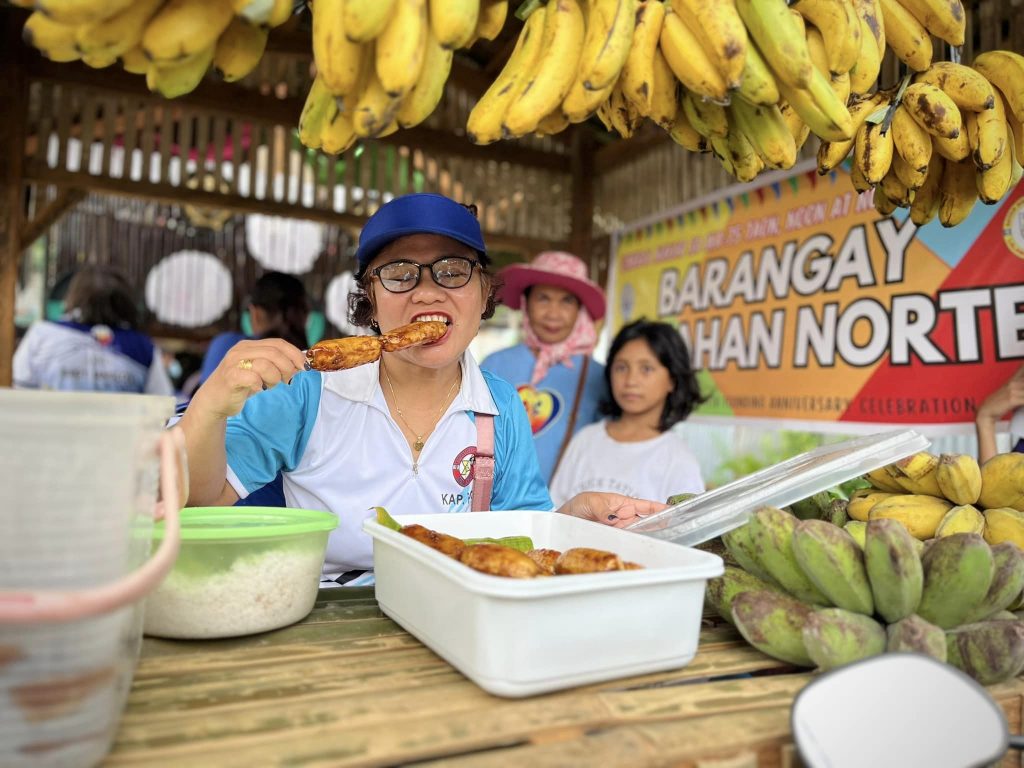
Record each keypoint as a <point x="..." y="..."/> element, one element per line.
<point x="716" y="512"/>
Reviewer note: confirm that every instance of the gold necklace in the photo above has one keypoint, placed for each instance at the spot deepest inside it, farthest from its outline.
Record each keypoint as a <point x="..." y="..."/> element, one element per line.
<point x="418" y="445"/>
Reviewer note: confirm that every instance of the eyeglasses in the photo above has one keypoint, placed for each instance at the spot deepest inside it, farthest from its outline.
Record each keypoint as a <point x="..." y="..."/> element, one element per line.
<point x="403" y="276"/>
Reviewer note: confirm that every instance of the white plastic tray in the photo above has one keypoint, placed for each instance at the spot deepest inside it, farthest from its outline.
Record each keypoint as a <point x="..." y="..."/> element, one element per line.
<point x="519" y="637"/>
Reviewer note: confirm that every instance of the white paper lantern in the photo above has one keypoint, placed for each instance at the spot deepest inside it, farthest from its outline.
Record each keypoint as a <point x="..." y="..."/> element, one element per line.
<point x="284" y="245"/>
<point x="189" y="289"/>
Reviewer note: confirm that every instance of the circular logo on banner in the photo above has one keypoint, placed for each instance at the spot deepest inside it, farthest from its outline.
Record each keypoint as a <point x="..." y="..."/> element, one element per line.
<point x="1013" y="228"/>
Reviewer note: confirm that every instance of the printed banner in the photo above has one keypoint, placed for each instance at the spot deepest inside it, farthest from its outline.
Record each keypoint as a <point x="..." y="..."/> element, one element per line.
<point x="799" y="301"/>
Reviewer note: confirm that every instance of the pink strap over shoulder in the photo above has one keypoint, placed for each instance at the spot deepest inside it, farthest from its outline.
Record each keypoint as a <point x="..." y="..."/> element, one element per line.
<point x="483" y="464"/>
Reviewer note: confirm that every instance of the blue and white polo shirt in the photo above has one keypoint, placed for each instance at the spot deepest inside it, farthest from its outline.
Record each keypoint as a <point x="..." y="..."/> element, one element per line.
<point x="333" y="438"/>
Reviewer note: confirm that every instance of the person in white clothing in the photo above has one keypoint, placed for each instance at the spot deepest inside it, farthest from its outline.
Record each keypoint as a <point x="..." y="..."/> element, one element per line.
<point x="634" y="451"/>
<point x="96" y="346"/>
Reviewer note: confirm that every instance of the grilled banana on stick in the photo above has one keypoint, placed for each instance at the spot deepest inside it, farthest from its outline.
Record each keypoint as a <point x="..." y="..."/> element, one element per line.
<point x="339" y="354"/>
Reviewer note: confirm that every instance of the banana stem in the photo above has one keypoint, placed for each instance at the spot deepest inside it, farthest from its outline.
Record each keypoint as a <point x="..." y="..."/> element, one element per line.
<point x="886" y="119"/>
<point x="526" y="8"/>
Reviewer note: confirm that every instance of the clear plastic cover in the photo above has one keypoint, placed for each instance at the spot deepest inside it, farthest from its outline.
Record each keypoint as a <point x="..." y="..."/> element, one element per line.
<point x="718" y="511"/>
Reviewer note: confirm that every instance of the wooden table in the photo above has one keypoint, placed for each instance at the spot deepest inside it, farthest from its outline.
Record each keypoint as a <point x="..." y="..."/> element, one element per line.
<point x="349" y="687"/>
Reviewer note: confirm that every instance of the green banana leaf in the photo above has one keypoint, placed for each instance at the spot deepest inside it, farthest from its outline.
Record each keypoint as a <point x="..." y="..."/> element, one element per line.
<point x="522" y="543"/>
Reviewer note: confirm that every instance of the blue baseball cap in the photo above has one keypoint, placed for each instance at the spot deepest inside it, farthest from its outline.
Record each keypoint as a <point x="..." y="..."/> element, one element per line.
<point x="418" y="214"/>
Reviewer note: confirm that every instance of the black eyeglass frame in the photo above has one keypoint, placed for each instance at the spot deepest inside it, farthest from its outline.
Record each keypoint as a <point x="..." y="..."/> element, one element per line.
<point x="419" y="274"/>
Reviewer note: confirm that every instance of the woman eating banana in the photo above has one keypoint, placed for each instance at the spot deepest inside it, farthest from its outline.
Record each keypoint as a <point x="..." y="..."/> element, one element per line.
<point x="402" y="429"/>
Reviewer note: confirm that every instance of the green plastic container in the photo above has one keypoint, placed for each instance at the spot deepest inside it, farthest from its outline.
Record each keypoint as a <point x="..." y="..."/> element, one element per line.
<point x="241" y="570"/>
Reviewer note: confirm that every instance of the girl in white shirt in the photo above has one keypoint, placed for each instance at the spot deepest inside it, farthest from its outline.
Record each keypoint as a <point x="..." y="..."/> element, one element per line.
<point x="635" y="451"/>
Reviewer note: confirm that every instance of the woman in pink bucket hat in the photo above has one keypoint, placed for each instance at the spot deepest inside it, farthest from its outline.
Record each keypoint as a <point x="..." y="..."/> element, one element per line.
<point x="558" y="382"/>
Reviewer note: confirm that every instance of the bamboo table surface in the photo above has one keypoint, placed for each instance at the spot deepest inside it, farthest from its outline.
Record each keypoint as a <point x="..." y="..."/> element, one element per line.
<point x="349" y="687"/>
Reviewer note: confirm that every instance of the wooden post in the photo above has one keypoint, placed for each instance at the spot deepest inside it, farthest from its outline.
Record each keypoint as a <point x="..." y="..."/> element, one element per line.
<point x="582" y="218"/>
<point x="14" y="97"/>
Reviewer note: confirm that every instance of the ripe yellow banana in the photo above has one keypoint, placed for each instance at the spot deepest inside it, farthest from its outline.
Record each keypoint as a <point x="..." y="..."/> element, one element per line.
<point x="178" y="78"/>
<point x="685" y="135"/>
<point x="54" y="40"/>
<point x="883" y="204"/>
<point x="927" y="198"/>
<point x="952" y="149"/>
<point x="454" y="21"/>
<point x="553" y="122"/>
<point x="839" y="25"/>
<point x="906" y="36"/>
<point x="622" y="115"/>
<point x="1016" y="130"/>
<point x="872" y="152"/>
<point x="780" y="40"/>
<point x="320" y="104"/>
<point x="959" y="478"/>
<point x="484" y="123"/>
<point x="816" y="47"/>
<point x="364" y="20"/>
<point x="401" y="47"/>
<point x="119" y="33"/>
<point x="1005" y="70"/>
<point x="606" y="45"/>
<point x="798" y="129"/>
<point x="491" y="18"/>
<point x="766" y="130"/>
<point x="737" y="155"/>
<point x="707" y="118"/>
<point x="269" y="13"/>
<point x="820" y="108"/>
<point x="993" y="183"/>
<point x="375" y="108"/>
<point x="968" y="89"/>
<point x="239" y="49"/>
<point x="945" y="19"/>
<point x="870" y="12"/>
<point x="182" y="29"/>
<point x="665" y="103"/>
<point x="869" y="61"/>
<point x="553" y="71"/>
<point x="638" y="72"/>
<point x="858" y="181"/>
<point x="689" y="61"/>
<point x="135" y="61"/>
<point x="426" y="94"/>
<point x="988" y="136"/>
<point x="933" y="110"/>
<point x="757" y="83"/>
<point x="958" y="192"/>
<point x="280" y="12"/>
<point x="338" y="133"/>
<point x="913" y="143"/>
<point x="912" y="178"/>
<point x="338" y="60"/>
<point x="894" y="189"/>
<point x="98" y="60"/>
<point x="76" y="12"/>
<point x="919" y="514"/>
<point x="718" y="26"/>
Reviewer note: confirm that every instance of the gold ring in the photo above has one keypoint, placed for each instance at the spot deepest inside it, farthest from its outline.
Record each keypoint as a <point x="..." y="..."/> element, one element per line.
<point x="245" y="365"/>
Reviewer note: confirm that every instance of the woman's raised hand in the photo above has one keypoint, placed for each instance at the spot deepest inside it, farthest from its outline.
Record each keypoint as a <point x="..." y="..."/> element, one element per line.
<point x="248" y="367"/>
<point x="610" y="508"/>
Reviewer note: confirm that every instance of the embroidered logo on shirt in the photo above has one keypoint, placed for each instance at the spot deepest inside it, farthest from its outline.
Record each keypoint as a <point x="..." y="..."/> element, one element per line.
<point x="542" y="407"/>
<point x="462" y="467"/>
<point x="102" y="334"/>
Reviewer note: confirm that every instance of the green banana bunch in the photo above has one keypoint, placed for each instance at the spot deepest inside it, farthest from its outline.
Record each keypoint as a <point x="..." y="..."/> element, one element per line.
<point x="780" y="39"/>
<point x="894" y="570"/>
<point x="771" y="532"/>
<point x="757" y="83"/>
<point x="1007" y="582"/>
<point x="740" y="544"/>
<point x="915" y="635"/>
<point x="834" y="637"/>
<point x="834" y="563"/>
<point x="958" y="572"/>
<point x="721" y="591"/>
<point x="989" y="651"/>
<point x="773" y="623"/>
<point x="183" y="29"/>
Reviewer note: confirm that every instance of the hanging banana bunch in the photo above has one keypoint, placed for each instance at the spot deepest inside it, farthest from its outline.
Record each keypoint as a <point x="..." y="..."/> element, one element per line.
<point x="173" y="43"/>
